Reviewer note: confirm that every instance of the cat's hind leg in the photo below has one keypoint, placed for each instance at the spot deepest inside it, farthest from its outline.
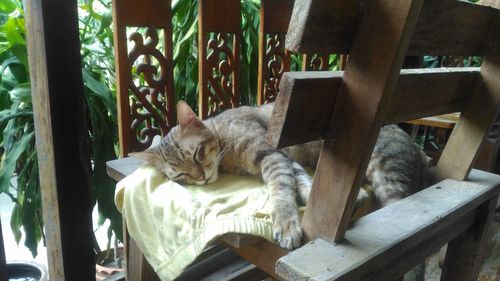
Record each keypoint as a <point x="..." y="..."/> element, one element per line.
<point x="277" y="172"/>
<point x="303" y="182"/>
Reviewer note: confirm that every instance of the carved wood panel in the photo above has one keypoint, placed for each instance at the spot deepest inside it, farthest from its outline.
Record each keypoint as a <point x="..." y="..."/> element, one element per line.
<point x="219" y="39"/>
<point x="276" y="61"/>
<point x="222" y="68"/>
<point x="147" y="87"/>
<point x="315" y="62"/>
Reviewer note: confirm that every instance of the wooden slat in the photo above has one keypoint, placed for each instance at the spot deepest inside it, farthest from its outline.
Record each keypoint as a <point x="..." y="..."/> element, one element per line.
<point x="275" y="15"/>
<point x="388" y="242"/>
<point x="436" y="32"/>
<point x="445" y="121"/>
<point x="154" y="14"/>
<point x="261" y="253"/>
<point x="451" y="27"/>
<point x="430" y="92"/>
<point x="477" y="116"/>
<point x="274" y="59"/>
<point x="143" y="13"/>
<point x="419" y="93"/>
<point x="363" y="97"/>
<point x="224" y="17"/>
<point x="220" y="15"/>
<point x="61" y="133"/>
<point x="120" y="168"/>
<point x="312" y="20"/>
<point x="295" y="120"/>
<point x="465" y="253"/>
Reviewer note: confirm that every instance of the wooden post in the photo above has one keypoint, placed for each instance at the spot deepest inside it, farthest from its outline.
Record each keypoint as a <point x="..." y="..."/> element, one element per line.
<point x="465" y="253"/>
<point x="477" y="116"/>
<point x="358" y="114"/>
<point x="3" y="262"/>
<point x="60" y="126"/>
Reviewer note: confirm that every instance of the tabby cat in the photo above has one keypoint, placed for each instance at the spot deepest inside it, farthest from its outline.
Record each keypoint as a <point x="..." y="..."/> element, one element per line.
<point x="195" y="151"/>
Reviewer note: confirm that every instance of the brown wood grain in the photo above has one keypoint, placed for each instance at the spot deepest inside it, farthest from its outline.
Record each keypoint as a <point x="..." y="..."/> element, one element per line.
<point x="465" y="253"/>
<point x="274" y="19"/>
<point x="357" y="117"/>
<point x="436" y="31"/>
<point x="296" y="119"/>
<point x="477" y="116"/>
<point x="419" y="93"/>
<point x="153" y="14"/>
<point x="211" y="18"/>
<point x="385" y="244"/>
<point x="430" y="92"/>
<point x="312" y="20"/>
<point x="61" y="133"/>
<point x="262" y="253"/>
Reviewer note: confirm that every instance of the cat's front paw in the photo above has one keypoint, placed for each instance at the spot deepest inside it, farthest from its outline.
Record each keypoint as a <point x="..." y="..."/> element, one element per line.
<point x="287" y="231"/>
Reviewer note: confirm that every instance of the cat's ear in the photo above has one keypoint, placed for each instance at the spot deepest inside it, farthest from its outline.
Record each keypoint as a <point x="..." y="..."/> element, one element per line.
<point x="148" y="155"/>
<point x="186" y="116"/>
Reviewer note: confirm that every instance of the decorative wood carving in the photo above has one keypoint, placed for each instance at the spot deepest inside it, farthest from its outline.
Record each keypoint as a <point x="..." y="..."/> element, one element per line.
<point x="144" y="71"/>
<point x="315" y="62"/>
<point x="277" y="61"/>
<point x="274" y="59"/>
<point x="219" y="39"/>
<point x="148" y="67"/>
<point x="222" y="68"/>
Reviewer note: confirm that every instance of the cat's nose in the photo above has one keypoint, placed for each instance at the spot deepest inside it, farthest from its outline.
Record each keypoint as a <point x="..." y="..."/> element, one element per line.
<point x="200" y="175"/>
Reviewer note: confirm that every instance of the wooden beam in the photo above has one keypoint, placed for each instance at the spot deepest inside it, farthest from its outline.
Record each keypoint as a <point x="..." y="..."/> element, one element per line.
<point x="362" y="100"/>
<point x="61" y="132"/>
<point x="385" y="244"/>
<point x="419" y="93"/>
<point x="260" y="252"/>
<point x="465" y="253"/>
<point x="430" y="92"/>
<point x="302" y="110"/>
<point x="120" y="168"/>
<point x="477" y="115"/>
<point x="435" y="33"/>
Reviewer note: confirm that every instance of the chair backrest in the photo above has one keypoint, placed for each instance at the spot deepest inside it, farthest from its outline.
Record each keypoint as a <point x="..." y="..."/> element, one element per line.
<point x="144" y="73"/>
<point x="348" y="108"/>
<point x="219" y="39"/>
<point x="274" y="59"/>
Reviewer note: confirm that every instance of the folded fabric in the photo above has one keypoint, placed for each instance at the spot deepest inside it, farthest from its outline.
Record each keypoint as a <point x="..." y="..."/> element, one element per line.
<point x="172" y="224"/>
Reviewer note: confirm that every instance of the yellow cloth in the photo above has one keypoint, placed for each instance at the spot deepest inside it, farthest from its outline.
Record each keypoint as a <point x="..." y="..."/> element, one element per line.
<point x="172" y="224"/>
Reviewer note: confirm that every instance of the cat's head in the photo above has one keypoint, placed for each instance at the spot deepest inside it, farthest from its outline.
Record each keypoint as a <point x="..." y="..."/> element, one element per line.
<point x="188" y="153"/>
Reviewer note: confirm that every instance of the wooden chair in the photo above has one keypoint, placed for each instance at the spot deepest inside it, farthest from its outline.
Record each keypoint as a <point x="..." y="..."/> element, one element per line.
<point x="348" y="110"/>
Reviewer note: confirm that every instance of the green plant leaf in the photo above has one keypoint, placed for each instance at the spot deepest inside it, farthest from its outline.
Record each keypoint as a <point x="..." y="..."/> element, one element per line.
<point x="21" y="92"/>
<point x="100" y="91"/>
<point x="8" y="6"/>
<point x="10" y="159"/>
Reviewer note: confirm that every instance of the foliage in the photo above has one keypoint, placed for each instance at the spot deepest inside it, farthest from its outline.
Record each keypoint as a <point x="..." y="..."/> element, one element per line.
<point x="16" y="123"/>
<point x="19" y="171"/>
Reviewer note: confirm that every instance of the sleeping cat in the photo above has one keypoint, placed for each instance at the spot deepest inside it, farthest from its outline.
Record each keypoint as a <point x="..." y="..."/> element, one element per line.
<point x="195" y="151"/>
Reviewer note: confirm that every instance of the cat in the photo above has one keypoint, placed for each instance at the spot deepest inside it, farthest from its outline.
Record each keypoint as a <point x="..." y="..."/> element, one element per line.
<point x="195" y="151"/>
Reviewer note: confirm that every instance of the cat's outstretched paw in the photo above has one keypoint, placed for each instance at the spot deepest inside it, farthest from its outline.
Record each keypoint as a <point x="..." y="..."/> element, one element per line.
<point x="287" y="231"/>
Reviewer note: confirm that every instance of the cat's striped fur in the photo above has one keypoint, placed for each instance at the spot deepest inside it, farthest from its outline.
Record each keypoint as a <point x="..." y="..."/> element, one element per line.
<point x="233" y="142"/>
